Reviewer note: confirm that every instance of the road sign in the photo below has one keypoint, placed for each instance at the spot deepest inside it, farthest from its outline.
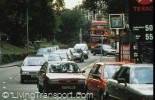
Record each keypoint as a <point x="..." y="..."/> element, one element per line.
<point x="116" y="21"/>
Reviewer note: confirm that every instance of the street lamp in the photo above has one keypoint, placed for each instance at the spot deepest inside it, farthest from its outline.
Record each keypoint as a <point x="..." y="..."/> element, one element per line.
<point x="101" y="48"/>
<point x="27" y="25"/>
<point x="1" y="48"/>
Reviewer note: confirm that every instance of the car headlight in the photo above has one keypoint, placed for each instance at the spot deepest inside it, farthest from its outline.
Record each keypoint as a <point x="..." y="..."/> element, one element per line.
<point x="81" y="81"/>
<point x="25" y="73"/>
<point x="53" y="81"/>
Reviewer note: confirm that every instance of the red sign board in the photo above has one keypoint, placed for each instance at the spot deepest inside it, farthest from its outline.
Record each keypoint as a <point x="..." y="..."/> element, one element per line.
<point x="125" y="53"/>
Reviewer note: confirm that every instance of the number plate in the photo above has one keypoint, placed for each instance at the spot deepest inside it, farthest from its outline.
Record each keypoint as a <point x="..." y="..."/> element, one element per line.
<point x="68" y="87"/>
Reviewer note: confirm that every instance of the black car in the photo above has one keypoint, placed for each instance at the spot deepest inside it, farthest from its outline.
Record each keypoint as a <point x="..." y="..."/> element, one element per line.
<point x="105" y="49"/>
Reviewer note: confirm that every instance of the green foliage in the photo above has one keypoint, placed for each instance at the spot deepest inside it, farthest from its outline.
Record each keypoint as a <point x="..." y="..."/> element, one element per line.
<point x="115" y="6"/>
<point x="72" y="20"/>
<point x="42" y="19"/>
<point x="108" y="6"/>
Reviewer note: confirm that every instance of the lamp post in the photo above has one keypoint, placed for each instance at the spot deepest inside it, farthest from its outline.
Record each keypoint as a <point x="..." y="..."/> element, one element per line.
<point x="0" y="48"/>
<point x="27" y="25"/>
<point x="101" y="49"/>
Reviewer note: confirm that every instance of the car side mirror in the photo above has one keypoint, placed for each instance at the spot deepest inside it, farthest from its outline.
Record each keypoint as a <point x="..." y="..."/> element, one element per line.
<point x="122" y="80"/>
<point x="96" y="76"/>
<point x="83" y="71"/>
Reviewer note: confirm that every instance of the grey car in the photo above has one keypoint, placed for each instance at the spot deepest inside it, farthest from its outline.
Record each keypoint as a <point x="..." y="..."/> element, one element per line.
<point x="30" y="67"/>
<point x="131" y="82"/>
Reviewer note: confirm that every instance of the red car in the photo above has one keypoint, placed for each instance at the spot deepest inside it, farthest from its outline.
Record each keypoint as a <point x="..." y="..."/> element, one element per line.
<point x="98" y="76"/>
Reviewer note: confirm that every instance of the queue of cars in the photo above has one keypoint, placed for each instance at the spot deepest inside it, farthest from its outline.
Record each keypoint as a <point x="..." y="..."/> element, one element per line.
<point x="55" y="72"/>
<point x="32" y="63"/>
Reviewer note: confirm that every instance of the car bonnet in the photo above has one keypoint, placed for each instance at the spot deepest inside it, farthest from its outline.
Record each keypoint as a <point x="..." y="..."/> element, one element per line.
<point x="65" y="76"/>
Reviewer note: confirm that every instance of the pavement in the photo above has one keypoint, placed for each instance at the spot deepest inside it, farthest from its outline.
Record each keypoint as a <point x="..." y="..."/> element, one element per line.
<point x="10" y="64"/>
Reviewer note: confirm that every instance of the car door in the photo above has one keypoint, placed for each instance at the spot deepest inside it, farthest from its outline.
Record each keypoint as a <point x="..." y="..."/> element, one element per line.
<point x="111" y="86"/>
<point x="121" y="87"/>
<point x="90" y="78"/>
<point x="93" y="81"/>
<point x="42" y="73"/>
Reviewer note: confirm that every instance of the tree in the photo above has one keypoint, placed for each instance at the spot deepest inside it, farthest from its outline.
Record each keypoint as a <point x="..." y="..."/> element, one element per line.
<point x="42" y="18"/>
<point x="72" y="20"/>
<point x="106" y="6"/>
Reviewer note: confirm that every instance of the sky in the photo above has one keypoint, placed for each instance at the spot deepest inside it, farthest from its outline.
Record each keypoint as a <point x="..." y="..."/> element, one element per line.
<point x="72" y="3"/>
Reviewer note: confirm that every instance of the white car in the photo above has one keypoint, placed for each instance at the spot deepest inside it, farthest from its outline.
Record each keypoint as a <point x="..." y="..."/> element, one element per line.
<point x="63" y="55"/>
<point x="84" y="48"/>
<point x="30" y="67"/>
<point x="131" y="82"/>
<point x="68" y="51"/>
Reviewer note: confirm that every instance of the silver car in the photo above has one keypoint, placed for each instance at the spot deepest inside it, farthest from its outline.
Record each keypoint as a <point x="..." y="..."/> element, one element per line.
<point x="30" y="67"/>
<point x="131" y="82"/>
<point x="84" y="48"/>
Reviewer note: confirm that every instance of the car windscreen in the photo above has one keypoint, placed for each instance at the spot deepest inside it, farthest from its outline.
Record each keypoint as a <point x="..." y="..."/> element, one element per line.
<point x="109" y="70"/>
<point x="106" y="46"/>
<point x="142" y="75"/>
<point x="54" y="58"/>
<point x="63" y="68"/>
<point x="34" y="61"/>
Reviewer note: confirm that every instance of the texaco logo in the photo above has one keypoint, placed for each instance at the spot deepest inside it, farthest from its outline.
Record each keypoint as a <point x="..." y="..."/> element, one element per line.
<point x="144" y="2"/>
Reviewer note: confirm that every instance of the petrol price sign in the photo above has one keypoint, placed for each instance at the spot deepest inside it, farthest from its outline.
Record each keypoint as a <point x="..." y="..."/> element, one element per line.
<point x="141" y="19"/>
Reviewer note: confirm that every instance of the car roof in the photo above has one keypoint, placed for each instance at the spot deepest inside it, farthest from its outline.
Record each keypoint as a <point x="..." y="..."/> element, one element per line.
<point x="108" y="63"/>
<point x="35" y="56"/>
<point x="61" y="62"/>
<point x="52" y="54"/>
<point x="102" y="44"/>
<point x="137" y="65"/>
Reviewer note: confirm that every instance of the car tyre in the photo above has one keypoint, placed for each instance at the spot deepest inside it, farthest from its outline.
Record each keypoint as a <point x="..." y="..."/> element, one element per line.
<point x="89" y="98"/>
<point x="101" y="95"/>
<point x="94" y="53"/>
<point x="104" y="53"/>
<point x="106" y="96"/>
<point x="21" y="79"/>
<point x="46" y="89"/>
<point x="40" y="89"/>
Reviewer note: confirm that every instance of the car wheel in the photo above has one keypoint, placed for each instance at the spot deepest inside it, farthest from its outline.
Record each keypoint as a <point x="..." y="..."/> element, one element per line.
<point x="21" y="79"/>
<point x="104" y="53"/>
<point x="86" y="57"/>
<point x="40" y="89"/>
<point x="94" y="53"/>
<point x="88" y="96"/>
<point x="46" y="88"/>
<point x="106" y="96"/>
<point x="101" y="96"/>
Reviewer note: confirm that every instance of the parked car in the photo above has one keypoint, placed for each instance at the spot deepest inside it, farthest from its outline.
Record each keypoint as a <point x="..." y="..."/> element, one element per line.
<point x="60" y="76"/>
<point x="63" y="55"/>
<point x="103" y="49"/>
<point x="78" y="55"/>
<point x="98" y="76"/>
<point x="53" y="57"/>
<point x="30" y="66"/>
<point x="84" y="48"/>
<point x="131" y="82"/>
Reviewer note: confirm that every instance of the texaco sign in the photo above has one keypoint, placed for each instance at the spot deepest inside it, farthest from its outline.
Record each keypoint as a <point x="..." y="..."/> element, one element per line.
<point x="141" y="18"/>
